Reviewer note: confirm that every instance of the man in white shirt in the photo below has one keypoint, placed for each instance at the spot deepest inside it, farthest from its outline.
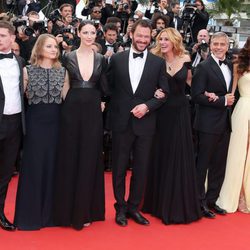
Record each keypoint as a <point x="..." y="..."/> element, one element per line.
<point x="11" y="113"/>
<point x="134" y="75"/>
<point x="213" y="121"/>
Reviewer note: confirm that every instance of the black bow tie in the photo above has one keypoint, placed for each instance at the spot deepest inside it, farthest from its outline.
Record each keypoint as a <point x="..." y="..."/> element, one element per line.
<point x="2" y="56"/>
<point x="110" y="45"/>
<point x="138" y="55"/>
<point x="224" y="61"/>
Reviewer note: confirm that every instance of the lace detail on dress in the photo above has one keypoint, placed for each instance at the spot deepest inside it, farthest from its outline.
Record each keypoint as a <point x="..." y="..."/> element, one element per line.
<point x="45" y="85"/>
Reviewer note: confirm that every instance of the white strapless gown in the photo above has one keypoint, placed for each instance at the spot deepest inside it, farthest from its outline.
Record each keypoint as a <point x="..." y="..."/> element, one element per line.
<point x="237" y="176"/>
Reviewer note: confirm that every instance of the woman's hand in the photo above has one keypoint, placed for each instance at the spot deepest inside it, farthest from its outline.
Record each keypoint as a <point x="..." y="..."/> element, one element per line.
<point x="102" y="106"/>
<point x="212" y="97"/>
<point x="159" y="94"/>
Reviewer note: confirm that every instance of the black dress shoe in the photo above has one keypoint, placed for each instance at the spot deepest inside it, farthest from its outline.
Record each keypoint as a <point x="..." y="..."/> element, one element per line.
<point x="207" y="213"/>
<point x="120" y="219"/>
<point x="138" y="218"/>
<point x="218" y="210"/>
<point x="5" y="224"/>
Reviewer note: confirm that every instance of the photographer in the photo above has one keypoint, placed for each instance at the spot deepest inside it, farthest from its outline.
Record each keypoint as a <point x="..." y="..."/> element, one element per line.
<point x="105" y="9"/>
<point x="124" y="11"/>
<point x="156" y="6"/>
<point x="109" y="44"/>
<point x="58" y="17"/>
<point x="200" y="19"/>
<point x="159" y="22"/>
<point x="200" y="50"/>
<point x="25" y="38"/>
<point x="175" y="20"/>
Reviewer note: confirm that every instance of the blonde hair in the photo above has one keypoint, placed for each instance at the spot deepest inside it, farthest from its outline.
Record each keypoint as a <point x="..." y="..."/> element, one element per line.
<point x="175" y="38"/>
<point x="37" y="51"/>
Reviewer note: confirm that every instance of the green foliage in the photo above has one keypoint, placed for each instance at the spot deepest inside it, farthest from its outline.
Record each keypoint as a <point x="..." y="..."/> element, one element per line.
<point x="229" y="7"/>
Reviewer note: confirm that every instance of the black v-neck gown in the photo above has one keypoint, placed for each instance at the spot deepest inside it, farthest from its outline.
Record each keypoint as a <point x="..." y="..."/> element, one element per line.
<point x="79" y="184"/>
<point x="171" y="192"/>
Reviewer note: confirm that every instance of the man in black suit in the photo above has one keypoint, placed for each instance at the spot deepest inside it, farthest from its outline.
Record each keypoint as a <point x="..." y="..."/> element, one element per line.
<point x="176" y="22"/>
<point x="200" y="19"/>
<point x="211" y="91"/>
<point x="11" y="113"/>
<point x="134" y="75"/>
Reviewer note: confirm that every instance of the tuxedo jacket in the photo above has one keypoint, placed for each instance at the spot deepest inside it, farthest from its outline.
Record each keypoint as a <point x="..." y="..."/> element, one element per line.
<point x="211" y="117"/>
<point x="123" y="100"/>
<point x="21" y="88"/>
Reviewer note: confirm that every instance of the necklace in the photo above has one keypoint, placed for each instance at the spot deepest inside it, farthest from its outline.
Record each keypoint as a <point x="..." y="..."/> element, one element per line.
<point x="171" y="64"/>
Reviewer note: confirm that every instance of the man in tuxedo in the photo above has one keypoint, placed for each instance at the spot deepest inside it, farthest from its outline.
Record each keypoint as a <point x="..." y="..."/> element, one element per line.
<point x="176" y="22"/>
<point x="134" y="75"/>
<point x="11" y="113"/>
<point x="211" y="91"/>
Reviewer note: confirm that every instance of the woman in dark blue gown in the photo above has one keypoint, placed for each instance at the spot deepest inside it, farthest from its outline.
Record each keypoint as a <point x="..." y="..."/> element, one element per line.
<point x="44" y="80"/>
<point x="79" y="190"/>
<point x="171" y="192"/>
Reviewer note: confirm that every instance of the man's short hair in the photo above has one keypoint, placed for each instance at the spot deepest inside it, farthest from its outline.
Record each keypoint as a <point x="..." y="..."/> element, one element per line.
<point x="113" y="19"/>
<point x="8" y="26"/>
<point x="66" y="5"/>
<point x="110" y="26"/>
<point x="220" y="34"/>
<point x="143" y="23"/>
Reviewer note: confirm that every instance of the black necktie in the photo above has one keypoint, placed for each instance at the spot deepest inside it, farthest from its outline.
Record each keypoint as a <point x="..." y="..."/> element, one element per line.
<point x="138" y="55"/>
<point x="224" y="61"/>
<point x="2" y="56"/>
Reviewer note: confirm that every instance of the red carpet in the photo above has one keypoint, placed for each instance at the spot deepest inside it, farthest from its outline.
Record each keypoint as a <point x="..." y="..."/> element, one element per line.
<point x="231" y="232"/>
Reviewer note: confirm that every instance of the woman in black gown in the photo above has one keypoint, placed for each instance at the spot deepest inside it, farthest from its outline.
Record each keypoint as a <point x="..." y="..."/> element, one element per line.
<point x="44" y="83"/>
<point x="171" y="192"/>
<point x="79" y="191"/>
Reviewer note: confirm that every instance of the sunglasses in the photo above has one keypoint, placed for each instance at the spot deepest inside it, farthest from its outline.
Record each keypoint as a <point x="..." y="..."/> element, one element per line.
<point x="96" y="11"/>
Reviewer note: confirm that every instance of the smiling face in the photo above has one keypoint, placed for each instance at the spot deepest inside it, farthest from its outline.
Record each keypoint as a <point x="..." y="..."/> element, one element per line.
<point x="166" y="45"/>
<point x="87" y="34"/>
<point x="141" y="38"/>
<point x="50" y="49"/>
<point x="219" y="47"/>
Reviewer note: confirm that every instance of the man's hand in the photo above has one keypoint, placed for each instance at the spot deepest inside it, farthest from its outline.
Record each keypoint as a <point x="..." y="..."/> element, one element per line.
<point x="230" y="99"/>
<point x="140" y="110"/>
<point x="108" y="54"/>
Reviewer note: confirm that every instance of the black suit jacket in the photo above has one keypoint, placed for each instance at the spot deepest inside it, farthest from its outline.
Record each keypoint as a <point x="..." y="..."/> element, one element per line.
<point x="211" y="117"/>
<point x="123" y="100"/>
<point x="2" y="96"/>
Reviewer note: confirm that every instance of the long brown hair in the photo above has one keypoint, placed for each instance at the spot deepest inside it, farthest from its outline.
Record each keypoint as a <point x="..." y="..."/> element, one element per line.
<point x="244" y="58"/>
<point x="37" y="51"/>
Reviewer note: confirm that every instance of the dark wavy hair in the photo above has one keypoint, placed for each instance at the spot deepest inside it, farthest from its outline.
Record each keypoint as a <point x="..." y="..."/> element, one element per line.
<point x="244" y="58"/>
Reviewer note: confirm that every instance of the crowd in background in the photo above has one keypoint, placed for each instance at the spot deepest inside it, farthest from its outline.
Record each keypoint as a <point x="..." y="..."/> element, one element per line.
<point x="82" y="64"/>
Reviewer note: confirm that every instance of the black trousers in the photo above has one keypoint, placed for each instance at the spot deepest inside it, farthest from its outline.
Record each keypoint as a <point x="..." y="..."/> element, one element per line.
<point x="211" y="162"/>
<point x="123" y="143"/>
<point x="10" y="137"/>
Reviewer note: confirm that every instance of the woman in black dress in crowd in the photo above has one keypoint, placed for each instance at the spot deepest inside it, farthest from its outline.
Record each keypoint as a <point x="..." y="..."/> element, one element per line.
<point x="45" y="83"/>
<point x="171" y="192"/>
<point x="79" y="196"/>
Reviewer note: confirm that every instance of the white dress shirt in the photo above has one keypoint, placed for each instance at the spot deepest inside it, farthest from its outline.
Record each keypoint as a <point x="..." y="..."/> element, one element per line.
<point x="136" y="66"/>
<point x="10" y="75"/>
<point x="225" y="71"/>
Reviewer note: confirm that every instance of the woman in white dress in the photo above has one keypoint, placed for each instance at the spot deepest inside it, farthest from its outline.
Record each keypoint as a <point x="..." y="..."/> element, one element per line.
<point x="235" y="191"/>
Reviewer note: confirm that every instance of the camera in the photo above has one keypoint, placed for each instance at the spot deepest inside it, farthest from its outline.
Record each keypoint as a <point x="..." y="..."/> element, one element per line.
<point x="125" y="6"/>
<point x="68" y="40"/>
<point x="96" y="23"/>
<point x="40" y="27"/>
<point x="55" y="16"/>
<point x="203" y="46"/>
<point x="188" y="12"/>
<point x="23" y="24"/>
